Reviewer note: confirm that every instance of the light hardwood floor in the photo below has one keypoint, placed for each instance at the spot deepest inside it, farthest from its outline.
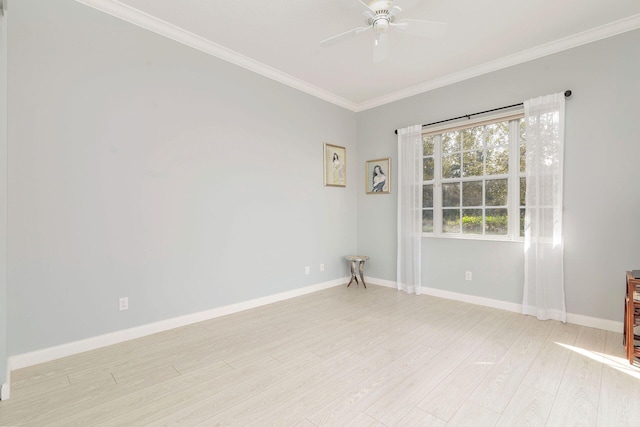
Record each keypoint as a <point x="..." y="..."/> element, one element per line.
<point x="342" y="357"/>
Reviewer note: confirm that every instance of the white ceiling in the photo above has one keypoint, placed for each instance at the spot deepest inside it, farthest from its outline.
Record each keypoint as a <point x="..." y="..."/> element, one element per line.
<point x="280" y="39"/>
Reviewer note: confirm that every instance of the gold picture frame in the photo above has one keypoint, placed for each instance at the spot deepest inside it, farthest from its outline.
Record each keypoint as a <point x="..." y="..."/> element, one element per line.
<point x="335" y="166"/>
<point x="378" y="179"/>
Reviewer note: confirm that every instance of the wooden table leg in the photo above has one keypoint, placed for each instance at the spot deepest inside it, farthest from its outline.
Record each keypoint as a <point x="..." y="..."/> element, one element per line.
<point x="353" y="273"/>
<point x="362" y="273"/>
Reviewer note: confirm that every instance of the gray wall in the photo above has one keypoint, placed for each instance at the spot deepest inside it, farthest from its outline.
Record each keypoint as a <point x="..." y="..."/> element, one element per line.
<point x="140" y="167"/>
<point x="602" y="191"/>
<point x="3" y="198"/>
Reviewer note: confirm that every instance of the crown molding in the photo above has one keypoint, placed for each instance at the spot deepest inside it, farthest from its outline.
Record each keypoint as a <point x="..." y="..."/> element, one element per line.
<point x="608" y="30"/>
<point x="158" y="26"/>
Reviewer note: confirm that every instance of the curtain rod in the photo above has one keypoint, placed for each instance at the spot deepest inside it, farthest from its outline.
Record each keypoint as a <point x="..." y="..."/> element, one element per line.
<point x="567" y="93"/>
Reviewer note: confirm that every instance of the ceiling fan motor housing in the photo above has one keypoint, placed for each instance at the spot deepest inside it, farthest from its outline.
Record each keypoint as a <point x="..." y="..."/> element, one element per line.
<point x="381" y="20"/>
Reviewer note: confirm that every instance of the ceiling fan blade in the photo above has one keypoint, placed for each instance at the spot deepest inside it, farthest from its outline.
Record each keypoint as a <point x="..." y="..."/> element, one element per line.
<point x="367" y="15"/>
<point x="364" y="4"/>
<point x="381" y="47"/>
<point x="394" y="11"/>
<point x="342" y="37"/>
<point x="421" y="28"/>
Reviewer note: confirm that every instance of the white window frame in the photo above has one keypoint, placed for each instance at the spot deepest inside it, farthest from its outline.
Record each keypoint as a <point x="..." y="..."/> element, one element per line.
<point x="513" y="116"/>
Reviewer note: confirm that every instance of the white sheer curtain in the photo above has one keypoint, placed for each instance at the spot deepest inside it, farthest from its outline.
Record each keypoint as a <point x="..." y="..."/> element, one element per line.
<point x="543" y="247"/>
<point x="409" y="267"/>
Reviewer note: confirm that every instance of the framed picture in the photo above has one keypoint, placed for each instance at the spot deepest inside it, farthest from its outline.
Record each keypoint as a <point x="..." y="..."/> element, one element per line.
<point x="378" y="179"/>
<point x="335" y="166"/>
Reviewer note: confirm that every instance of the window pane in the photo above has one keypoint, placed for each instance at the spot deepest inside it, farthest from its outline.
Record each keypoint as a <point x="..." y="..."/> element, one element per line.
<point x="451" y="165"/>
<point x="471" y="187"/>
<point x="472" y="221"/>
<point x="428" y="142"/>
<point x="496" y="222"/>
<point x="427" y="196"/>
<point x="496" y="192"/>
<point x="472" y="193"/>
<point x="427" y="169"/>
<point x="427" y="221"/>
<point x="451" y="220"/>
<point x="450" y="142"/>
<point x="472" y="139"/>
<point x="498" y="161"/>
<point x="497" y="134"/>
<point x="451" y="194"/>
<point x="472" y="164"/>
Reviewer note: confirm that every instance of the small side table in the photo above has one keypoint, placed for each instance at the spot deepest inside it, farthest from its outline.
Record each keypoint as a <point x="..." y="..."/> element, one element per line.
<point x="357" y="259"/>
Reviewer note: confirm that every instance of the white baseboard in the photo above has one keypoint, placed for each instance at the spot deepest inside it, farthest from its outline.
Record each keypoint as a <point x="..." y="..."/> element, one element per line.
<point x="68" y="349"/>
<point x="577" y="319"/>
<point x="381" y="282"/>
<point x="594" y="322"/>
<point x="75" y="347"/>
<point x="472" y="299"/>
<point x="5" y="389"/>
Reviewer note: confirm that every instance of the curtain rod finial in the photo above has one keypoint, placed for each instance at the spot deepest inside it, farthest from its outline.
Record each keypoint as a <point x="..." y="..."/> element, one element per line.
<point x="567" y="93"/>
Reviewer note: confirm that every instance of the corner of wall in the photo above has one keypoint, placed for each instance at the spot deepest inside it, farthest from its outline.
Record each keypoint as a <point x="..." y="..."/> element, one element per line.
<point x="4" y="380"/>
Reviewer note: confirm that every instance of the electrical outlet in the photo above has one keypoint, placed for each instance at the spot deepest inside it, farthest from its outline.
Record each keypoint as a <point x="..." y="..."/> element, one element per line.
<point x="307" y="270"/>
<point x="468" y="276"/>
<point x="322" y="267"/>
<point x="123" y="303"/>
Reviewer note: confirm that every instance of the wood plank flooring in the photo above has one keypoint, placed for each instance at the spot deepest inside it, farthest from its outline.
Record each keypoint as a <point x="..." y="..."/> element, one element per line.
<point x="342" y="357"/>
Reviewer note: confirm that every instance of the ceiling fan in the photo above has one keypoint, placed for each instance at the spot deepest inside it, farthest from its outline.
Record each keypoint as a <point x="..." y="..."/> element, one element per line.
<point x="379" y="16"/>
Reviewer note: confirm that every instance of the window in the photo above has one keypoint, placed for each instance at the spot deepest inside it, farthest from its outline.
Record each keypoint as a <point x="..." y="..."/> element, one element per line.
<point x="473" y="179"/>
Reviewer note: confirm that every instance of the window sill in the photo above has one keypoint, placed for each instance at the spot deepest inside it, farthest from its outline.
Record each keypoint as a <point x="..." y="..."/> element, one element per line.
<point x="476" y="238"/>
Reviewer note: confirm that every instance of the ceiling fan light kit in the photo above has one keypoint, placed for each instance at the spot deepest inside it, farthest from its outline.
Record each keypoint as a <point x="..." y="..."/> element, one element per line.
<point x="380" y="25"/>
<point x="379" y="16"/>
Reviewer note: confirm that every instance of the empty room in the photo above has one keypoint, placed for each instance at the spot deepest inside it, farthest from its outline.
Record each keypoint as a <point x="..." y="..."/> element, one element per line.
<point x="319" y="213"/>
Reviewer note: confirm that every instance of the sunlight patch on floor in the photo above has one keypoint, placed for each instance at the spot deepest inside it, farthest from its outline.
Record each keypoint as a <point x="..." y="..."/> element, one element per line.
<point x="618" y="363"/>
